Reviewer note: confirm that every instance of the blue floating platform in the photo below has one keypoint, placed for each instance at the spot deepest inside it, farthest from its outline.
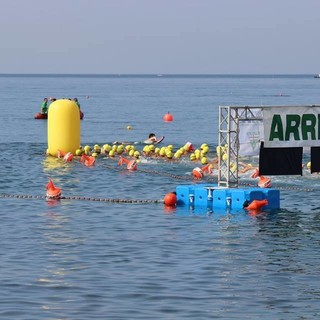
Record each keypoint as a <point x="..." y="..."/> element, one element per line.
<point x="214" y="197"/>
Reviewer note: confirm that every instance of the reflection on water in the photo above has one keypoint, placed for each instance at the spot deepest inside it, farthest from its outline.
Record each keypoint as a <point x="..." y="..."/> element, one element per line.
<point x="52" y="163"/>
<point x="60" y="247"/>
<point x="53" y="202"/>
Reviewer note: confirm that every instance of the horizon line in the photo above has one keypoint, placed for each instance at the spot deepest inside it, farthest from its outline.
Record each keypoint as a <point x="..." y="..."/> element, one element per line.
<point x="156" y="74"/>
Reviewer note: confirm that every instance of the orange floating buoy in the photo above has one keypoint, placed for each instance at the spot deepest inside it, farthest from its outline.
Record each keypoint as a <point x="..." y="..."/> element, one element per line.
<point x="131" y="164"/>
<point x="168" y="117"/>
<point x="52" y="191"/>
<point x="170" y="199"/>
<point x="257" y="204"/>
<point x="197" y="173"/>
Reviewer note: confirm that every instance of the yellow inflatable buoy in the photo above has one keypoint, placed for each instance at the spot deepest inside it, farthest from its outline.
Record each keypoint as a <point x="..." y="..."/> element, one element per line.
<point x="63" y="127"/>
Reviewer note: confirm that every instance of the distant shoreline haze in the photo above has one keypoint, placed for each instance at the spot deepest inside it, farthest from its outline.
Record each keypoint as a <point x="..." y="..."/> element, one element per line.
<point x="97" y="75"/>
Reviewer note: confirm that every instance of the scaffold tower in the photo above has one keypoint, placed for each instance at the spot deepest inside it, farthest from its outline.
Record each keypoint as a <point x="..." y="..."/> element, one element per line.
<point x="228" y="148"/>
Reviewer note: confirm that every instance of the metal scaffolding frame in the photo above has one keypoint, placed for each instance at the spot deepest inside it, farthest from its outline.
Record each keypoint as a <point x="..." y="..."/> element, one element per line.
<point x="229" y="145"/>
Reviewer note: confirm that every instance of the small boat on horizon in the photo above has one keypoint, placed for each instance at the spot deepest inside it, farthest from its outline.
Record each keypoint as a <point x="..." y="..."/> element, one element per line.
<point x="44" y="116"/>
<point x="317" y="75"/>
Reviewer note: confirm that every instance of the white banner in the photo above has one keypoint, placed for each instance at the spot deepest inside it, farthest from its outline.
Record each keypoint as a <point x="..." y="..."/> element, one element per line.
<point x="291" y="126"/>
<point x="250" y="135"/>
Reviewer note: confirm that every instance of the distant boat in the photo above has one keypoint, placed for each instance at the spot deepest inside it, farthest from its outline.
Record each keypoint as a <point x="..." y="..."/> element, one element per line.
<point x="44" y="116"/>
<point x="317" y="75"/>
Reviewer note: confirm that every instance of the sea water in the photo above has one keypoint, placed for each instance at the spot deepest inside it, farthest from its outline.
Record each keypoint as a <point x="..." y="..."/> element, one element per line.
<point x="130" y="259"/>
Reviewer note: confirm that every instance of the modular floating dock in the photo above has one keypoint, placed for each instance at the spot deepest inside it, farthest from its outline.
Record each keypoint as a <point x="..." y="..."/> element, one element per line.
<point x="213" y="197"/>
<point x="226" y="196"/>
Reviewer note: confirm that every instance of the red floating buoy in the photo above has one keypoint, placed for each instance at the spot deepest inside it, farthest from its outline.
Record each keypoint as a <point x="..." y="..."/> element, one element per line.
<point x="52" y="191"/>
<point x="168" y="117"/>
<point x="170" y="199"/>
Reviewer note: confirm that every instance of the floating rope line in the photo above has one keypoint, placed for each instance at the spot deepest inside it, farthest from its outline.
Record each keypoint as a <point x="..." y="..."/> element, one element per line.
<point x="210" y="179"/>
<point x="166" y="174"/>
<point x="247" y="184"/>
<point x="138" y="201"/>
<point x="109" y="200"/>
<point x="158" y="173"/>
<point x="296" y="189"/>
<point x="21" y="196"/>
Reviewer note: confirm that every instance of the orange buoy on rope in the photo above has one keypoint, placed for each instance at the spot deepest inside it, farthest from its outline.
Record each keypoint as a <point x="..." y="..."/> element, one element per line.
<point x="170" y="199"/>
<point x="131" y="164"/>
<point x="88" y="160"/>
<point x="52" y="191"/>
<point x="257" y="204"/>
<point x="168" y="117"/>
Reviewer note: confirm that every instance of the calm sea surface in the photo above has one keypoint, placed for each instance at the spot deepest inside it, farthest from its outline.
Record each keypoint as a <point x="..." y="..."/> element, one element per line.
<point x="84" y="259"/>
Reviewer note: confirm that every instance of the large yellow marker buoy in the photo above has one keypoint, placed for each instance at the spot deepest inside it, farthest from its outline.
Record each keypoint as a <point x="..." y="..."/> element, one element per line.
<point x="63" y="127"/>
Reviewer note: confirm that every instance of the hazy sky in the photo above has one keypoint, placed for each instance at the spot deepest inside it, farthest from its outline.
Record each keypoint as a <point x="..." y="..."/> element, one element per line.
<point x="160" y="36"/>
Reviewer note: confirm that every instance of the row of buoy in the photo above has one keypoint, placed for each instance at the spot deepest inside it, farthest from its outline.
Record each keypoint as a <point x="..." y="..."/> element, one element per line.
<point x="132" y="151"/>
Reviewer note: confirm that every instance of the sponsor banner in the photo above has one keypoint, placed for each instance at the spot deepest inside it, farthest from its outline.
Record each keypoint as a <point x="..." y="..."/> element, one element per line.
<point x="291" y="126"/>
<point x="250" y="135"/>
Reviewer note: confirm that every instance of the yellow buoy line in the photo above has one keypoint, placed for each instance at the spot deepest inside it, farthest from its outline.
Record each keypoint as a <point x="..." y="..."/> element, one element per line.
<point x="148" y="151"/>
